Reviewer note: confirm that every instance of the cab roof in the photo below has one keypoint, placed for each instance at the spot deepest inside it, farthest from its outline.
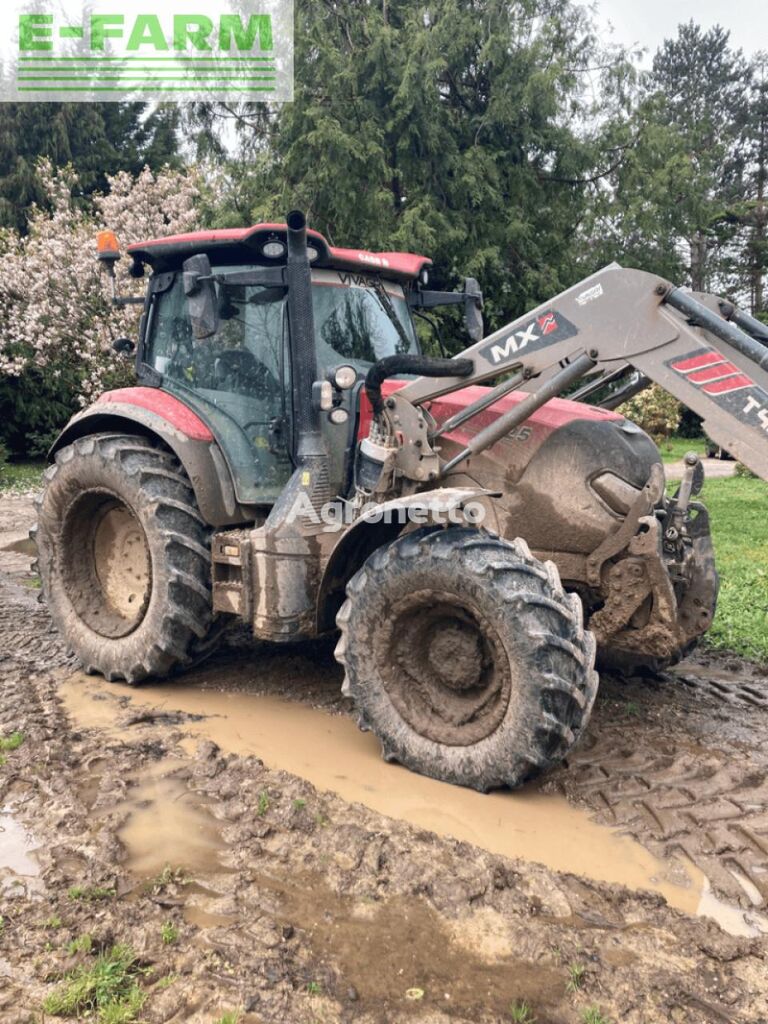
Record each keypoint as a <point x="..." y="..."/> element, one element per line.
<point x="247" y="243"/>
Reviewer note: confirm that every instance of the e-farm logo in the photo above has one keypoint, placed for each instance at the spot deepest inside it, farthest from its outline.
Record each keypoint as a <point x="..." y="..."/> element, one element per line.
<point x="76" y="50"/>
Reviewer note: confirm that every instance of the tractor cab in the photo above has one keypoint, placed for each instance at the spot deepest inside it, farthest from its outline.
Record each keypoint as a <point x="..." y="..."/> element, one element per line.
<point x="216" y="334"/>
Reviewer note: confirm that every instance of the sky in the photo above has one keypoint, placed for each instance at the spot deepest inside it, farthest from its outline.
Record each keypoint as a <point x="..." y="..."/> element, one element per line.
<point x="649" y="22"/>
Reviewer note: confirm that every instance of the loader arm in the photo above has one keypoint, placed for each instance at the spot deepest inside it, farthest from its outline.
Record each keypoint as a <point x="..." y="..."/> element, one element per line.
<point x="620" y="318"/>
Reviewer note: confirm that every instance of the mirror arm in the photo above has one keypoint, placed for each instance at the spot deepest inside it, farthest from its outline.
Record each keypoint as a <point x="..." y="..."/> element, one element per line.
<point x="428" y="300"/>
<point x="270" y="277"/>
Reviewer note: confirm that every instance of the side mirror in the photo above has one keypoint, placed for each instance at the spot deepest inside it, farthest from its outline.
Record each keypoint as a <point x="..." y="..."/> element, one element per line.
<point x="473" y="304"/>
<point x="200" y="290"/>
<point x="123" y="346"/>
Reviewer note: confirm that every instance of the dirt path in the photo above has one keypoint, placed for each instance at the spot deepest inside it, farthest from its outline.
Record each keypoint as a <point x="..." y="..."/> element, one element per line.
<point x="239" y="885"/>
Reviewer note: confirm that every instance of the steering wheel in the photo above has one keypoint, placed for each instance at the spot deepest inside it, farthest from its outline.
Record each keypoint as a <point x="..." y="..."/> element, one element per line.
<point x="251" y="375"/>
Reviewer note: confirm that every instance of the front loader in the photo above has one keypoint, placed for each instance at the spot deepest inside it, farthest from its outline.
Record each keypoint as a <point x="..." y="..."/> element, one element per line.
<point x="290" y="459"/>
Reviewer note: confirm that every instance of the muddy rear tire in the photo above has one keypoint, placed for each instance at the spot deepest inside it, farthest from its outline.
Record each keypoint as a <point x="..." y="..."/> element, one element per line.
<point x="124" y="558"/>
<point x="466" y="658"/>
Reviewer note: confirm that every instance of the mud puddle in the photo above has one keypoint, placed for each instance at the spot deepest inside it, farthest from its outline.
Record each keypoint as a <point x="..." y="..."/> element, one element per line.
<point x="331" y="753"/>
<point x="465" y="964"/>
<point x="164" y="814"/>
<point x="17" y="846"/>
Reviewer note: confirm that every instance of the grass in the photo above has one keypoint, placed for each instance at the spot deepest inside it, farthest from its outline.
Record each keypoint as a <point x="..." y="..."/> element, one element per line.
<point x="12" y="742"/>
<point x="106" y="990"/>
<point x="592" y="1015"/>
<point x="82" y="944"/>
<point x="738" y="509"/>
<point x="576" y="976"/>
<point x="674" y="449"/>
<point x="168" y="876"/>
<point x="169" y="933"/>
<point x="90" y="893"/>
<point x="20" y="477"/>
<point x="263" y="805"/>
<point x="231" y="1017"/>
<point x="521" y="1013"/>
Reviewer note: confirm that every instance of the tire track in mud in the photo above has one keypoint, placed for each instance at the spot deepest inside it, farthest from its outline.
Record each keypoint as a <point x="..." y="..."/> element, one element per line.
<point x="680" y="764"/>
<point x="324" y="894"/>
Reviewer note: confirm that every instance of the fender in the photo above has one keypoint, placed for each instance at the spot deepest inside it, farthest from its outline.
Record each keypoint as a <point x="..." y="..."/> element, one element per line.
<point x="378" y="526"/>
<point x="154" y="413"/>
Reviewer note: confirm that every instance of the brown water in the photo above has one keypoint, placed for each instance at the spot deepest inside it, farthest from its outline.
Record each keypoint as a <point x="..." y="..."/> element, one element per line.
<point x="16" y="847"/>
<point x="163" y="812"/>
<point x="333" y="754"/>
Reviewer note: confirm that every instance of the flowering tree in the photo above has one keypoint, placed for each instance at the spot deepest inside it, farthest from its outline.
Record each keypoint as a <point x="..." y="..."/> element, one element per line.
<point x="55" y="309"/>
<point x="655" y="410"/>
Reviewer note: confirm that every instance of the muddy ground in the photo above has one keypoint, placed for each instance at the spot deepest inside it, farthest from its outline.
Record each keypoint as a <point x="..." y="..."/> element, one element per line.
<point x="147" y="817"/>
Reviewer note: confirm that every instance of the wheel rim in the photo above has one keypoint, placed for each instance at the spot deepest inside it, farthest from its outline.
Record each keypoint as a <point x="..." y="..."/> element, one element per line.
<point x="106" y="564"/>
<point x="444" y="668"/>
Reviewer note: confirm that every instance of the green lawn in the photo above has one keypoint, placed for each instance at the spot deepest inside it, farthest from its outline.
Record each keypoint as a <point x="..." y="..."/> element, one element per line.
<point x="738" y="509"/>
<point x="674" y="449"/>
<point x="20" y="477"/>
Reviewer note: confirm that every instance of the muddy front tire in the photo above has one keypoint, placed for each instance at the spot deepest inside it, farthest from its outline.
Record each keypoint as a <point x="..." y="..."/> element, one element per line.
<point x="124" y="558"/>
<point x="466" y="658"/>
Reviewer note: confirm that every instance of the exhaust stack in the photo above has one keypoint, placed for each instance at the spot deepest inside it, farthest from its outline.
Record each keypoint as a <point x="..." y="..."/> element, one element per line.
<point x="308" y="441"/>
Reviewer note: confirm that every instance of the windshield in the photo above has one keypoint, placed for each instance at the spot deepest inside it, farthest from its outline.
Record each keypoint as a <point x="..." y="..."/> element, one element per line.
<point x="245" y="356"/>
<point x="351" y="322"/>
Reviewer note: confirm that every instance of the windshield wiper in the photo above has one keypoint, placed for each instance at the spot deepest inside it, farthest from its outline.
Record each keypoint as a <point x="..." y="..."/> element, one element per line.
<point x="389" y="309"/>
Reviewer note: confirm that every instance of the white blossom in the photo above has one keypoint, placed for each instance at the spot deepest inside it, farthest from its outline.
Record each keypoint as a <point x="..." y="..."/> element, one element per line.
<point x="55" y="308"/>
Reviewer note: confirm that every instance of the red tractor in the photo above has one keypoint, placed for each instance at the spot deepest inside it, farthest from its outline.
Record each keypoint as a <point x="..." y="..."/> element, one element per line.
<point x="289" y="458"/>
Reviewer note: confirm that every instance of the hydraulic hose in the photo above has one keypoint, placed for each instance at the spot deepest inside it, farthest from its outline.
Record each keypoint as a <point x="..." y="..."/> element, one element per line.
<point x="422" y="366"/>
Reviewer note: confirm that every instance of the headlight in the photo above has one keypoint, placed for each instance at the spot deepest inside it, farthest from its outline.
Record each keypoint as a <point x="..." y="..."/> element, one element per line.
<point x="273" y="250"/>
<point x="344" y="377"/>
<point x="312" y="253"/>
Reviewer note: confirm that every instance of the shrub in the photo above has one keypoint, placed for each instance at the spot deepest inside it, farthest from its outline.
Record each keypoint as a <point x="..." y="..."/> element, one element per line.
<point x="56" y="319"/>
<point x="657" y="412"/>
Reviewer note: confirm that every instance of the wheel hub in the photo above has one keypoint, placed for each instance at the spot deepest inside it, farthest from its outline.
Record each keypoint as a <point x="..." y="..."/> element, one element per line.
<point x="106" y="564"/>
<point x="121" y="562"/>
<point x="444" y="668"/>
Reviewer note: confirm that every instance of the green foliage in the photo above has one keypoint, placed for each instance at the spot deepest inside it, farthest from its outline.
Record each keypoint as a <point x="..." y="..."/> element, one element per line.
<point x="20" y="477"/>
<point x="592" y="1015"/>
<point x="577" y="974"/>
<point x="82" y="944"/>
<point x="169" y="933"/>
<point x="12" y="742"/>
<point x="521" y="1013"/>
<point x="34" y="406"/>
<point x="458" y="132"/>
<point x="97" y="139"/>
<point x="263" y="804"/>
<point x="230" y="1017"/>
<point x="656" y="411"/>
<point x="676" y="198"/>
<point x="90" y="893"/>
<point x="740" y="532"/>
<point x="106" y="990"/>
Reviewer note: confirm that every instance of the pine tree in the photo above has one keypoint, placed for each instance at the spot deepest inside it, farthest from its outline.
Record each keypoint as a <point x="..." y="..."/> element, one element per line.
<point x="454" y="129"/>
<point x="701" y="85"/>
<point x="98" y="139"/>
